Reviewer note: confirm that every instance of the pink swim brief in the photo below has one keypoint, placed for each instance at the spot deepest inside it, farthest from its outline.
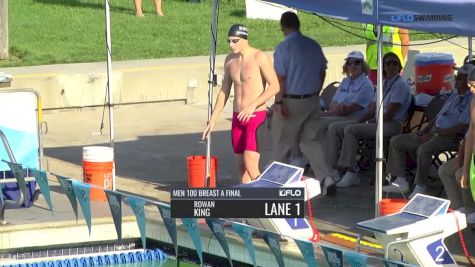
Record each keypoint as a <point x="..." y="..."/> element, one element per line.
<point x="244" y="134"/>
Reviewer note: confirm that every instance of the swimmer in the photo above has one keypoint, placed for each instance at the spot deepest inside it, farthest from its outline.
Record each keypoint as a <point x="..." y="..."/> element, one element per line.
<point x="255" y="82"/>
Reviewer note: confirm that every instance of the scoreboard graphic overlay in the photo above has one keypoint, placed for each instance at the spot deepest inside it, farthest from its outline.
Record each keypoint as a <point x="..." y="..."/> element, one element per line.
<point x="241" y="202"/>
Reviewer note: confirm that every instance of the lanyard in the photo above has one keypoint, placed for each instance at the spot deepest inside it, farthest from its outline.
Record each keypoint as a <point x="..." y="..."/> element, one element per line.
<point x="386" y="92"/>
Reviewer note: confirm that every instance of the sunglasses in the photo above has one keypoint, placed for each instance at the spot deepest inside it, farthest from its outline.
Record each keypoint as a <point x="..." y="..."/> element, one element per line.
<point x="234" y="41"/>
<point x="355" y="62"/>
<point x="391" y="62"/>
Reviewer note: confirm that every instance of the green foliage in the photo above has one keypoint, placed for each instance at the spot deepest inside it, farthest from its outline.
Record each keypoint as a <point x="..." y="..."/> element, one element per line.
<point x="66" y="31"/>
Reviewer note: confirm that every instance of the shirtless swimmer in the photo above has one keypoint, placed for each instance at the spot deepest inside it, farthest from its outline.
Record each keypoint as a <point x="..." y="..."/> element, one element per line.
<point x="249" y="70"/>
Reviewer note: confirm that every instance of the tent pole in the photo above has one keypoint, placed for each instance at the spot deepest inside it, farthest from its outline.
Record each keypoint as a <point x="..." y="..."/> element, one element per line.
<point x="109" y="83"/>
<point x="379" y="129"/>
<point x="211" y="81"/>
<point x="470" y="54"/>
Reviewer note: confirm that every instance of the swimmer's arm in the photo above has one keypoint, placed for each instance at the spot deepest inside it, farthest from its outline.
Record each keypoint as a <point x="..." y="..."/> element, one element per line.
<point x="269" y="75"/>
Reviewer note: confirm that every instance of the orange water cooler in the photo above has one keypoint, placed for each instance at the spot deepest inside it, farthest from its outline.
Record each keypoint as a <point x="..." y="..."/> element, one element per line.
<point x="434" y="71"/>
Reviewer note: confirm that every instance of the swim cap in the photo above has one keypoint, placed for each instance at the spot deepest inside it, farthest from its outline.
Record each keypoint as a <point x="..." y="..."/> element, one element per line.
<point x="238" y="30"/>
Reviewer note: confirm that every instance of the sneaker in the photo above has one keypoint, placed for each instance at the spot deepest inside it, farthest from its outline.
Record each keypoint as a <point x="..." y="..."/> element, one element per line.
<point x="471" y="218"/>
<point x="329" y="187"/>
<point x="400" y="185"/>
<point x="419" y="189"/>
<point x="348" y="180"/>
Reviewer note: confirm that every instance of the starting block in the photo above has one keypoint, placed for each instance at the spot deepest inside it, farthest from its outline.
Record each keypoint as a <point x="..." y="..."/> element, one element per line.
<point x="278" y="174"/>
<point x="416" y="234"/>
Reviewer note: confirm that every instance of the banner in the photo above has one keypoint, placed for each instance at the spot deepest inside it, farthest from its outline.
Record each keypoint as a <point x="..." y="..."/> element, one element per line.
<point x="115" y="204"/>
<point x="273" y="241"/>
<point x="191" y="225"/>
<point x="334" y="256"/>
<point x="170" y="224"/>
<point x="216" y="226"/>
<point x="66" y="185"/>
<point x="308" y="253"/>
<point x="245" y="232"/>
<point x="356" y="259"/>
<point x="42" y="180"/>
<point x="137" y="204"/>
<point x="82" y="192"/>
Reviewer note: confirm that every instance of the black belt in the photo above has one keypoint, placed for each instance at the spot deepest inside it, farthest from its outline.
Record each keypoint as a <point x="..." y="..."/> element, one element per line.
<point x="299" y="96"/>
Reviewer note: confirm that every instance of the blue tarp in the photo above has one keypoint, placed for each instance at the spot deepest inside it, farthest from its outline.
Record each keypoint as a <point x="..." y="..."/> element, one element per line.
<point x="438" y="16"/>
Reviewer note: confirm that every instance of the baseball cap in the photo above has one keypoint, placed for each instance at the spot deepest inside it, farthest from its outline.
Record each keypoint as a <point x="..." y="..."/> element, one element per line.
<point x="355" y="54"/>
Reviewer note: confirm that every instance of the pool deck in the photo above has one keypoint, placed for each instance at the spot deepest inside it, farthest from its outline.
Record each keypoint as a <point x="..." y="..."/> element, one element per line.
<point x="151" y="145"/>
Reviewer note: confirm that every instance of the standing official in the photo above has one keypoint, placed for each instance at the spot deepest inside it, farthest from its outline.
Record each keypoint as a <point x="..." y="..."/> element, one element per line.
<point x="301" y="68"/>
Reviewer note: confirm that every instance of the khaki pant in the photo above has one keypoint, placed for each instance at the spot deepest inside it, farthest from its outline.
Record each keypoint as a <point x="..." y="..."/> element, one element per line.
<point x="298" y="130"/>
<point x="410" y="143"/>
<point x="450" y="175"/>
<point x="323" y="127"/>
<point x="340" y="134"/>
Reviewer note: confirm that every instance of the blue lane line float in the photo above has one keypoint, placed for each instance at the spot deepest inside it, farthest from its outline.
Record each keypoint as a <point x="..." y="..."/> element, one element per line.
<point x="102" y="260"/>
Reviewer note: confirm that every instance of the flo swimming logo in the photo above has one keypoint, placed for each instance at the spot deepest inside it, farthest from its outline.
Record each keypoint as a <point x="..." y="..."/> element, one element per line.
<point x="420" y="17"/>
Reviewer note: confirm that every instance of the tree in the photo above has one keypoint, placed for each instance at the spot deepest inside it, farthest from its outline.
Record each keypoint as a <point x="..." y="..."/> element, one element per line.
<point x="4" y="29"/>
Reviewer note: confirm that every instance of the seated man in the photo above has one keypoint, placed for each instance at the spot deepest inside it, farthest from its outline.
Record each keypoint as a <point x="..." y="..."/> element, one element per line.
<point x="450" y="174"/>
<point x="396" y="99"/>
<point x="442" y="133"/>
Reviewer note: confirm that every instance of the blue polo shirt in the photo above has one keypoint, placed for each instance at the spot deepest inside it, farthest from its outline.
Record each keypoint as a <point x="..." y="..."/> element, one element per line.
<point x="456" y="110"/>
<point x="359" y="91"/>
<point x="300" y="59"/>
<point x="396" y="90"/>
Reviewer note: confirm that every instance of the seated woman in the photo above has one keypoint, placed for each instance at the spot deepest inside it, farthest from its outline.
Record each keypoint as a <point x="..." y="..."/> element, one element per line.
<point x="353" y="96"/>
<point x="349" y="104"/>
<point x="397" y="100"/>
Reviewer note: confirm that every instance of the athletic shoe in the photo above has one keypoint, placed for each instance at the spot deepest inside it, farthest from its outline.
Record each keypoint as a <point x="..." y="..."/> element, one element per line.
<point x="400" y="185"/>
<point x="348" y="180"/>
